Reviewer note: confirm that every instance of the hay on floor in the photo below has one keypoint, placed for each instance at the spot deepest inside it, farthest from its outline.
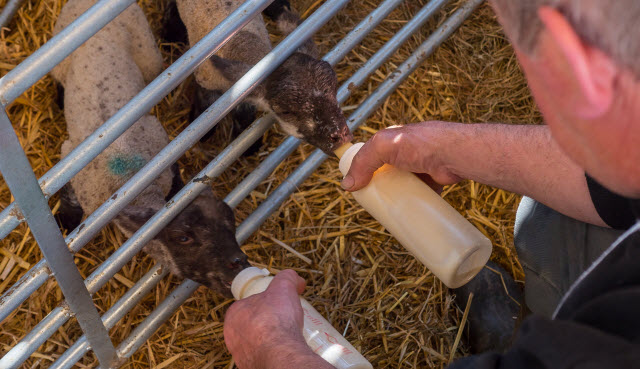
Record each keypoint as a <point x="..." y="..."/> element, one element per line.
<point x="389" y="305"/>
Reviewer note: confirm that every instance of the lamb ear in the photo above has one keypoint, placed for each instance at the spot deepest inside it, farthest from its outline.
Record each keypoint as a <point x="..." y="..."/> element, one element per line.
<point x="133" y="217"/>
<point x="276" y="8"/>
<point x="309" y="48"/>
<point x="223" y="212"/>
<point x="233" y="70"/>
<point x="287" y="21"/>
<point x="226" y="214"/>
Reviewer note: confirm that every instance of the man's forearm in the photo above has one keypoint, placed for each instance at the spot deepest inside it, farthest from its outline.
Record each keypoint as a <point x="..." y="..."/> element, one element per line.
<point x="522" y="159"/>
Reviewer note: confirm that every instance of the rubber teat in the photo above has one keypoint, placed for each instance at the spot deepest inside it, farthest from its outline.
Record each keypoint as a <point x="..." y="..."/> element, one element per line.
<point x="342" y="149"/>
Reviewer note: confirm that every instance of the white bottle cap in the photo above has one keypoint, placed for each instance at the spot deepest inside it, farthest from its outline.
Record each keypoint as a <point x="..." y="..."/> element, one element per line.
<point x="347" y="158"/>
<point x="243" y="278"/>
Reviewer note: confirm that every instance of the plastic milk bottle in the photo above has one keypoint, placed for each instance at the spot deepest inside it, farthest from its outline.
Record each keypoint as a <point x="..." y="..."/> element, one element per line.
<point x="323" y="339"/>
<point x="425" y="224"/>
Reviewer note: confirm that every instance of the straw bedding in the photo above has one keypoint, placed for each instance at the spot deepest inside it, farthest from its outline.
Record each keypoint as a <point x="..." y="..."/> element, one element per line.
<point x="389" y="305"/>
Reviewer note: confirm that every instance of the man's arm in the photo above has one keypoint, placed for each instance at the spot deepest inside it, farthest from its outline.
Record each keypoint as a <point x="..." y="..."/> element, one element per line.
<point x="518" y="158"/>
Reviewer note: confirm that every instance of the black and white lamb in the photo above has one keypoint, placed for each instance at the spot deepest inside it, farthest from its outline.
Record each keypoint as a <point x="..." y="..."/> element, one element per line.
<point x="301" y="92"/>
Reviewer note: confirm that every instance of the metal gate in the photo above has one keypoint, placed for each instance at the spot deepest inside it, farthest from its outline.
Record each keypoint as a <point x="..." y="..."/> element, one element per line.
<point x="31" y="194"/>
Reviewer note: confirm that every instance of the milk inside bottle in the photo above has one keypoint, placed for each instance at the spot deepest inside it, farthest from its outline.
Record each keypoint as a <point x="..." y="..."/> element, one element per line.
<point x="422" y="222"/>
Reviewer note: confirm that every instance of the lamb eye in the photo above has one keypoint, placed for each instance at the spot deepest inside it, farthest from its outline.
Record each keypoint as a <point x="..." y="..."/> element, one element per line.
<point x="184" y="239"/>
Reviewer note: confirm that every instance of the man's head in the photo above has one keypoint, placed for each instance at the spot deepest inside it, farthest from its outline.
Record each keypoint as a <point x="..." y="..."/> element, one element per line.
<point x="582" y="61"/>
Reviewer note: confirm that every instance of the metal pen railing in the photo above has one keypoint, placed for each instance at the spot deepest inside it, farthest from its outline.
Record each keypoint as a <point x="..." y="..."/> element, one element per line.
<point x="43" y="60"/>
<point x="86" y="151"/>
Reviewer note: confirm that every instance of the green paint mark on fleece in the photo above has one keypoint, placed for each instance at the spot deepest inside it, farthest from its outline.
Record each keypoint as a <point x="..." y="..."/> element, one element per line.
<point x="125" y="165"/>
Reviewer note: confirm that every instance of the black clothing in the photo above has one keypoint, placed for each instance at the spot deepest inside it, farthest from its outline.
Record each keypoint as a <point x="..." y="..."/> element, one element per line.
<point x="615" y="210"/>
<point x="597" y="323"/>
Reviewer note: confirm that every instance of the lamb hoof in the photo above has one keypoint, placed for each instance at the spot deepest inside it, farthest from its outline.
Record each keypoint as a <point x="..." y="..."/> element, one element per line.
<point x="176" y="182"/>
<point x="174" y="30"/>
<point x="60" y="95"/>
<point x="70" y="214"/>
<point x="203" y="98"/>
<point x="243" y="116"/>
<point x="494" y="313"/>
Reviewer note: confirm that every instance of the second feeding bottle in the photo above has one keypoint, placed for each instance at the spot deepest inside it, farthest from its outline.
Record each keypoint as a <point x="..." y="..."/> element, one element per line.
<point x="319" y="334"/>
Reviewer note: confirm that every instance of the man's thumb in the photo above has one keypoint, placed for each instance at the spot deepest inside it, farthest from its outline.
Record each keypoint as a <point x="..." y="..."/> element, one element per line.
<point x="288" y="280"/>
<point x="364" y="164"/>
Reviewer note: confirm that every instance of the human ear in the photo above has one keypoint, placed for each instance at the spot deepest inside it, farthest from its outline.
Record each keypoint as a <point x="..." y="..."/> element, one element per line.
<point x="593" y="70"/>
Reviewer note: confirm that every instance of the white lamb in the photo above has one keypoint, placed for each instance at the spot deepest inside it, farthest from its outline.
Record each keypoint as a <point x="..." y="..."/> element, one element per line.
<point x="99" y="78"/>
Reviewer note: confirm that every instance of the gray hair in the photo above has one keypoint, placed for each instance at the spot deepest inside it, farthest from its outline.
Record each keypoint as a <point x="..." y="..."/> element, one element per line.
<point x="611" y="25"/>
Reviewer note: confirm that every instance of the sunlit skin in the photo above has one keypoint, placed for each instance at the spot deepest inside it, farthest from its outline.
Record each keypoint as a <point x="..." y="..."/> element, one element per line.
<point x="592" y="109"/>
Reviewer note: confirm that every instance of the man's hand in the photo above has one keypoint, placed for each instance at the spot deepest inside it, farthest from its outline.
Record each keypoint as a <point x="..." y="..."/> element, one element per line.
<point x="265" y="330"/>
<point x="414" y="148"/>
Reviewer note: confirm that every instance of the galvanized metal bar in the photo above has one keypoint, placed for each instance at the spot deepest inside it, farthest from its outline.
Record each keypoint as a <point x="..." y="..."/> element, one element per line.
<point x="58" y="316"/>
<point x="23" y="184"/>
<point x="140" y="105"/>
<point x="38" y="64"/>
<point x="184" y="290"/>
<point x="280" y="194"/>
<point x="130" y="299"/>
<point x="9" y="11"/>
<point x="57" y="176"/>
<point x="267" y="166"/>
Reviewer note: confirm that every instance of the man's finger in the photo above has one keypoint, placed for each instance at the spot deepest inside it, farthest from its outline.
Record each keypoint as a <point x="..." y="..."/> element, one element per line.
<point x="364" y="164"/>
